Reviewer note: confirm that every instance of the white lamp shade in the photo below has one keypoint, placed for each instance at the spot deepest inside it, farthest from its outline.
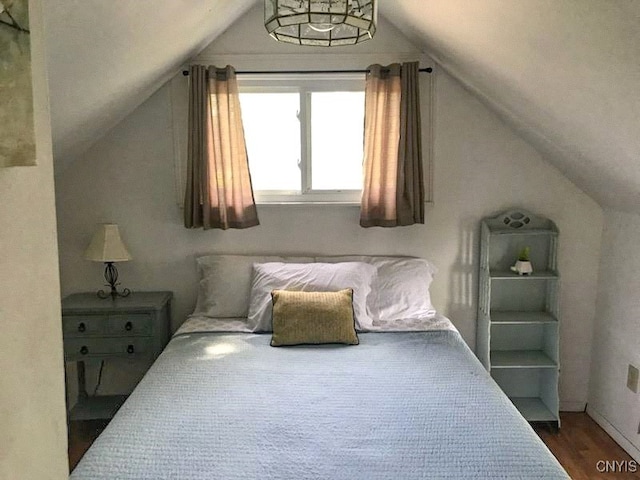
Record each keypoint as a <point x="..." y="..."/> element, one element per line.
<point x="106" y="245"/>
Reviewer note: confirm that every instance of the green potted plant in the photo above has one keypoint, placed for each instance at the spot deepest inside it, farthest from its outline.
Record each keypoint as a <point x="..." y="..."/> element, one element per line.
<point x="523" y="265"/>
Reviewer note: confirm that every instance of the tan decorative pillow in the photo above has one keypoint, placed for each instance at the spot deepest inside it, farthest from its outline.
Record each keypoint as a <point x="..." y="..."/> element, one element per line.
<point x="313" y="318"/>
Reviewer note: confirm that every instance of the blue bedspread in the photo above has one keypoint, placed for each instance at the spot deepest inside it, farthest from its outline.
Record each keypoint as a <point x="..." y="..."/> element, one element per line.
<point x="409" y="405"/>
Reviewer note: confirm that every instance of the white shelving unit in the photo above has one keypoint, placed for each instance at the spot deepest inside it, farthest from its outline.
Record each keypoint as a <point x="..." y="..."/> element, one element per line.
<point x="518" y="322"/>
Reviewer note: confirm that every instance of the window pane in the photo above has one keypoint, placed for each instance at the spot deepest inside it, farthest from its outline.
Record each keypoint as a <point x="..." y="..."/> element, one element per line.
<point x="337" y="120"/>
<point x="272" y="133"/>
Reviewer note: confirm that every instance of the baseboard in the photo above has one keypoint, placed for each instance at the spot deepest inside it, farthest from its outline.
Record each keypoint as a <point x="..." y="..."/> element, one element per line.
<point x="572" y="406"/>
<point x="620" y="439"/>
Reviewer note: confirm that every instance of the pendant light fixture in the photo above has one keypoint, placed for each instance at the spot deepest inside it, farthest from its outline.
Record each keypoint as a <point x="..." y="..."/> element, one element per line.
<point x="323" y="23"/>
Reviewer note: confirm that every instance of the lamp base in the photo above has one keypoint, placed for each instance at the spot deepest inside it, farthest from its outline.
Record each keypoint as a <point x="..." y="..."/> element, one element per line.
<point x="113" y="293"/>
<point x="111" y="276"/>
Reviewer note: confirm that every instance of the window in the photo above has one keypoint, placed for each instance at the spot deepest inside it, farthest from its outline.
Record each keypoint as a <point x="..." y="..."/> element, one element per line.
<point x="304" y="136"/>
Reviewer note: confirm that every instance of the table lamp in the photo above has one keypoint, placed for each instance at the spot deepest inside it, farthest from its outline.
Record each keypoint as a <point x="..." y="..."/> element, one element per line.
<point x="106" y="246"/>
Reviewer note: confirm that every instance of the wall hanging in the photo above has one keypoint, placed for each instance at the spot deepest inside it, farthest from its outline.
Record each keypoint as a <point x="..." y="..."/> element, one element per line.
<point x="17" y="136"/>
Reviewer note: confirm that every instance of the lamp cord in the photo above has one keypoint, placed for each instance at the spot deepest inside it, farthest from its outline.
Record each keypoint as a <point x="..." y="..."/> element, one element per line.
<point x="95" y="390"/>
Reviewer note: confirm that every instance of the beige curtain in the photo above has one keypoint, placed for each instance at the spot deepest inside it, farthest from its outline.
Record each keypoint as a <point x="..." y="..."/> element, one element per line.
<point x="219" y="193"/>
<point x="393" y="193"/>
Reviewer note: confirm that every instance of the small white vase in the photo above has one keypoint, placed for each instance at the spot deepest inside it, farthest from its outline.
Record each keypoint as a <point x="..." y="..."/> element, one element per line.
<point x="522" y="268"/>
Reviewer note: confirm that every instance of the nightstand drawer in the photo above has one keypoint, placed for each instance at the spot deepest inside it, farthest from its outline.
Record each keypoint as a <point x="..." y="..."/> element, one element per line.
<point x="86" y="348"/>
<point x="83" y="325"/>
<point x="130" y="324"/>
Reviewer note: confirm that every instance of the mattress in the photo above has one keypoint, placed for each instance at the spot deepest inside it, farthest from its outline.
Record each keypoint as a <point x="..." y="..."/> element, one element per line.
<point x="401" y="405"/>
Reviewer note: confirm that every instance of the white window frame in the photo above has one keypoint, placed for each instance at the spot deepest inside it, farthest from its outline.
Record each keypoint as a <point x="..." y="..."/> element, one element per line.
<point x="305" y="85"/>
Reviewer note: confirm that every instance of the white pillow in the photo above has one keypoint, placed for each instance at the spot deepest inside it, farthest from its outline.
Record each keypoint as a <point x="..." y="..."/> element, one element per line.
<point x="225" y="283"/>
<point x="311" y="277"/>
<point x="400" y="290"/>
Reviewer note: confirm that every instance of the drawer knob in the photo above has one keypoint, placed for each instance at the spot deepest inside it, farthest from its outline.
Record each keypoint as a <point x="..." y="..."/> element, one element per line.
<point x="84" y="350"/>
<point x="128" y="326"/>
<point x="82" y="327"/>
<point x="130" y="349"/>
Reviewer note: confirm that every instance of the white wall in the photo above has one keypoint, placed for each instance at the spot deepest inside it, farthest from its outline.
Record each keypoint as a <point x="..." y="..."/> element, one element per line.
<point x="481" y="168"/>
<point x="563" y="72"/>
<point x="33" y="438"/>
<point x="617" y="331"/>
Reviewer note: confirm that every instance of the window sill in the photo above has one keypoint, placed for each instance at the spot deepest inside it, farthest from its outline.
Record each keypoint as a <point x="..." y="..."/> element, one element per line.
<point x="337" y="197"/>
<point x="302" y="204"/>
<point x="428" y="203"/>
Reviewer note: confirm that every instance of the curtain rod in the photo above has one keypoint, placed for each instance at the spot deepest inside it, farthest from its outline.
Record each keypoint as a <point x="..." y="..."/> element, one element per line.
<point x="298" y="72"/>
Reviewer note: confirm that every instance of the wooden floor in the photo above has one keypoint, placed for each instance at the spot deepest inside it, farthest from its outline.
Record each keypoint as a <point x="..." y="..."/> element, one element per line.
<point x="579" y="446"/>
<point x="81" y="436"/>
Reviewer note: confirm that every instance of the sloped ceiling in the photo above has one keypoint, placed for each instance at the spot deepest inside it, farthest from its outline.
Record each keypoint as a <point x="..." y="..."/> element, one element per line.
<point x="565" y="74"/>
<point x="106" y="57"/>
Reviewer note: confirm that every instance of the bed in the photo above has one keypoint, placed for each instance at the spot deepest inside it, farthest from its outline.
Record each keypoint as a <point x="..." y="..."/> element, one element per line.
<point x="410" y="401"/>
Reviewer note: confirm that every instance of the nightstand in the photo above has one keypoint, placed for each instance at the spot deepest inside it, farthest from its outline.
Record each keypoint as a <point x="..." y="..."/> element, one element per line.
<point x="94" y="329"/>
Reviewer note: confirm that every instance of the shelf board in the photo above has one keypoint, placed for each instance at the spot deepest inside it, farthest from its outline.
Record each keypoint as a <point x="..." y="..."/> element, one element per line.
<point x="97" y="407"/>
<point x="508" y="275"/>
<point x="530" y="231"/>
<point x="533" y="409"/>
<point x="521" y="359"/>
<point x="519" y="318"/>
